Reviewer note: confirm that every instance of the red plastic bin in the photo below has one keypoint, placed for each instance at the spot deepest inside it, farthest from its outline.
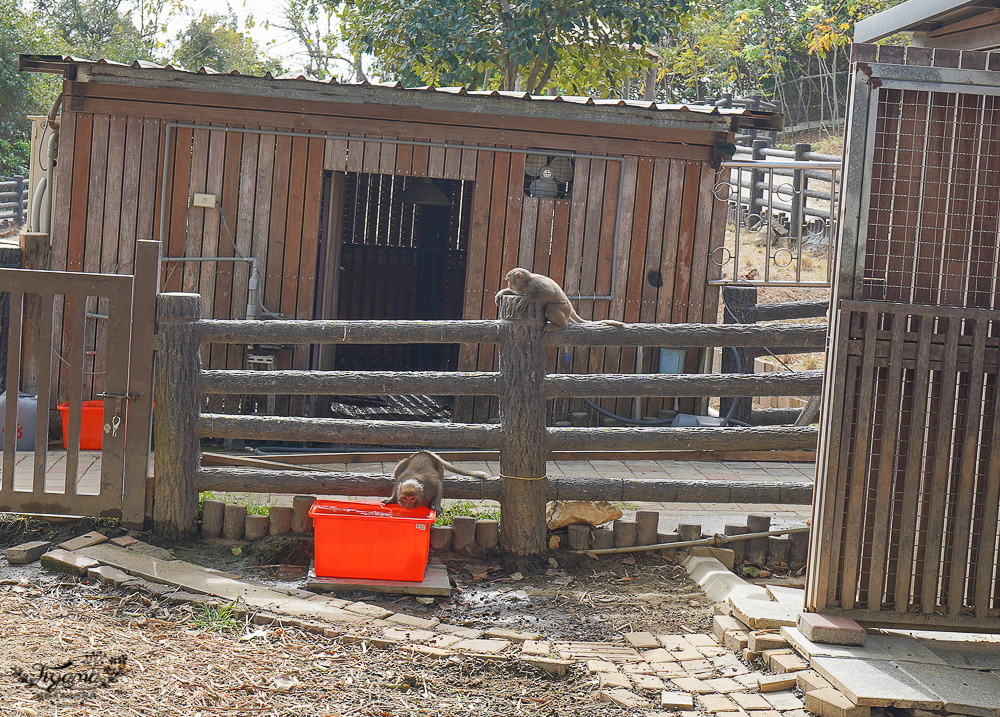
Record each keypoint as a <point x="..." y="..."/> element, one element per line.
<point x="370" y="540"/>
<point x="91" y="424"/>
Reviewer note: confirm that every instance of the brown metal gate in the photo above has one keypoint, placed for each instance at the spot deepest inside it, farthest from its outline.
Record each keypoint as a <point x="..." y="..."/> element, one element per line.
<point x="90" y="337"/>
<point x="908" y="482"/>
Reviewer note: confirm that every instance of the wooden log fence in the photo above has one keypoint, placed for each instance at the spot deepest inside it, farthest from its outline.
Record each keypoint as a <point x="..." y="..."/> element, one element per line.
<point x="522" y="385"/>
<point x="13" y="201"/>
<point x="229" y="479"/>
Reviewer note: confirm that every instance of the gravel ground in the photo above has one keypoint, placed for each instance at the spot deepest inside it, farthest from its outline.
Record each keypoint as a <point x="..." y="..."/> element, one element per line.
<point x="181" y="660"/>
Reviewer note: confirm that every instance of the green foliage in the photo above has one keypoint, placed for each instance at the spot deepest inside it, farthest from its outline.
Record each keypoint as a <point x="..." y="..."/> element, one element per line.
<point x="573" y="46"/>
<point x="217" y="618"/>
<point x="22" y="94"/>
<point x="215" y="41"/>
<point x="466" y="507"/>
<point x="316" y="27"/>
<point x="766" y="47"/>
<point x="103" y="28"/>
<point x="253" y="502"/>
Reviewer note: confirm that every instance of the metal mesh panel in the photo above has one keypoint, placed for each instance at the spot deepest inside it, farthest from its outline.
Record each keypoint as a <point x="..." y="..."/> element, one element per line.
<point x="935" y="200"/>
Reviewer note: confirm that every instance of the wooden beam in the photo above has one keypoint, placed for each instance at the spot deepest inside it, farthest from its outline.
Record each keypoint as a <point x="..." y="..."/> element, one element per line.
<point x="376" y="456"/>
<point x="668" y="490"/>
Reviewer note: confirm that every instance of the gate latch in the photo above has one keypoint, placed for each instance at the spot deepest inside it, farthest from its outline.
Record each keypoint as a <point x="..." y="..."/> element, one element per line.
<point x="122" y="395"/>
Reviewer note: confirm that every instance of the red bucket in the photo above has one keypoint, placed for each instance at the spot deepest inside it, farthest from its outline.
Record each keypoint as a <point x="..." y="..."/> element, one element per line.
<point x="91" y="424"/>
<point x="370" y="540"/>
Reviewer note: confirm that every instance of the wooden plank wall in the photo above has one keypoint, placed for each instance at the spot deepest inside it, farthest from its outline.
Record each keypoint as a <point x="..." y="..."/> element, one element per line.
<point x="667" y="224"/>
<point x="269" y="187"/>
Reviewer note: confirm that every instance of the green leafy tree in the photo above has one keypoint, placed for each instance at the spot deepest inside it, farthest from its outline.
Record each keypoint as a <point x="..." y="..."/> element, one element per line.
<point x="107" y="29"/>
<point x="316" y="28"/>
<point x="570" y="46"/>
<point x="215" y="41"/>
<point x="22" y="94"/>
<point x="792" y="51"/>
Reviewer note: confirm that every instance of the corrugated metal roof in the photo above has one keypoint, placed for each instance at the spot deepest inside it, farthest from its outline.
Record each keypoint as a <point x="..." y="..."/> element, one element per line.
<point x="50" y="62"/>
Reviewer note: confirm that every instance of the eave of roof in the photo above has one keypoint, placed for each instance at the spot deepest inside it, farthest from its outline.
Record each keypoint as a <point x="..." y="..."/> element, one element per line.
<point x="915" y="15"/>
<point x="78" y="68"/>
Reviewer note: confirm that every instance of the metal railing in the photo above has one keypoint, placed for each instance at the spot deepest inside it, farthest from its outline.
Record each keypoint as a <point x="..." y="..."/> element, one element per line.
<point x="781" y="221"/>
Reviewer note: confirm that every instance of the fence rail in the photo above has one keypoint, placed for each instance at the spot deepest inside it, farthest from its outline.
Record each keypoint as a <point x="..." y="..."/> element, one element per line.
<point x="521" y="384"/>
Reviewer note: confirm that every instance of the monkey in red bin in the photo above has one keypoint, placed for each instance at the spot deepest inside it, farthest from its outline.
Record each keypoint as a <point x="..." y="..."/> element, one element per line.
<point x="540" y="289"/>
<point x="420" y="479"/>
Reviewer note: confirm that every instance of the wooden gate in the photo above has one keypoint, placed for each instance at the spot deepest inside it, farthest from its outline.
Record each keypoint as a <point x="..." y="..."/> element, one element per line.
<point x="96" y="330"/>
<point x="908" y="482"/>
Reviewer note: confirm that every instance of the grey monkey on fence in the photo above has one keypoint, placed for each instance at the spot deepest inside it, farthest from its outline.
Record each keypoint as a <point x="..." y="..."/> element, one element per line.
<point x="420" y="479"/>
<point x="540" y="289"/>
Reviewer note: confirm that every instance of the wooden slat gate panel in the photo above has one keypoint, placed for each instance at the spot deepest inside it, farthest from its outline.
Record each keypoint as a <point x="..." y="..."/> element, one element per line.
<point x="908" y="481"/>
<point x="79" y="483"/>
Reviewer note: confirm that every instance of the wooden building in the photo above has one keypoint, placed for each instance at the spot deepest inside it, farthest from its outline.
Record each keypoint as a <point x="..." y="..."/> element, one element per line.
<point x="368" y="201"/>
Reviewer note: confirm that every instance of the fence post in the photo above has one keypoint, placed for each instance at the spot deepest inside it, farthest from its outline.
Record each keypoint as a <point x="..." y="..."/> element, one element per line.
<point x="522" y="421"/>
<point x="19" y="221"/>
<point x="756" y="193"/>
<point x="741" y="304"/>
<point x="178" y="452"/>
<point x="799" y="185"/>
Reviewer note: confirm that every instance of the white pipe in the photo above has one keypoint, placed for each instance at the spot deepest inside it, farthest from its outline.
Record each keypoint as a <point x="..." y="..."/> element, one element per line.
<point x="45" y="216"/>
<point x="35" y="212"/>
<point x="253" y="292"/>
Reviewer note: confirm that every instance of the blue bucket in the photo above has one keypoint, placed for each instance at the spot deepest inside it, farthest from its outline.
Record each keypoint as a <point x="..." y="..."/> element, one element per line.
<point x="27" y="407"/>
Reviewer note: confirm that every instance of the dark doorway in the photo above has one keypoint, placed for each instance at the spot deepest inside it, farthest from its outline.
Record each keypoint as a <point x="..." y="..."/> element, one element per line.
<point x="401" y="260"/>
<point x="385" y="256"/>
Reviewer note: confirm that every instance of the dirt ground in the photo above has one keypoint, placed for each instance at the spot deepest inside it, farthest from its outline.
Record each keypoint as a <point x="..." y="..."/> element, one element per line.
<point x="181" y="660"/>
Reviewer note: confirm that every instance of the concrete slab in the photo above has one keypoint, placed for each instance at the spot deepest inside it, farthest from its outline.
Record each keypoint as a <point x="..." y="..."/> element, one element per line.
<point x="481" y="646"/>
<point x="760" y="614"/>
<point x="720" y="588"/>
<point x="790" y="596"/>
<point x="82" y="541"/>
<point x="641" y="640"/>
<point x="27" y="552"/>
<point x="613" y="679"/>
<point x="404" y="620"/>
<point x="595" y="650"/>
<point x="967" y="692"/>
<point x="969" y="655"/>
<point x="751" y="701"/>
<point x="828" y="702"/>
<point x="435" y="583"/>
<point x="875" y="683"/>
<point x="622" y="698"/>
<point x="676" y="700"/>
<point x="648" y="682"/>
<point x="67" y="562"/>
<point x="831" y="629"/>
<point x="876" y="647"/>
<point x="193" y="579"/>
<point x="559" y="668"/>
<point x="783" y="700"/>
